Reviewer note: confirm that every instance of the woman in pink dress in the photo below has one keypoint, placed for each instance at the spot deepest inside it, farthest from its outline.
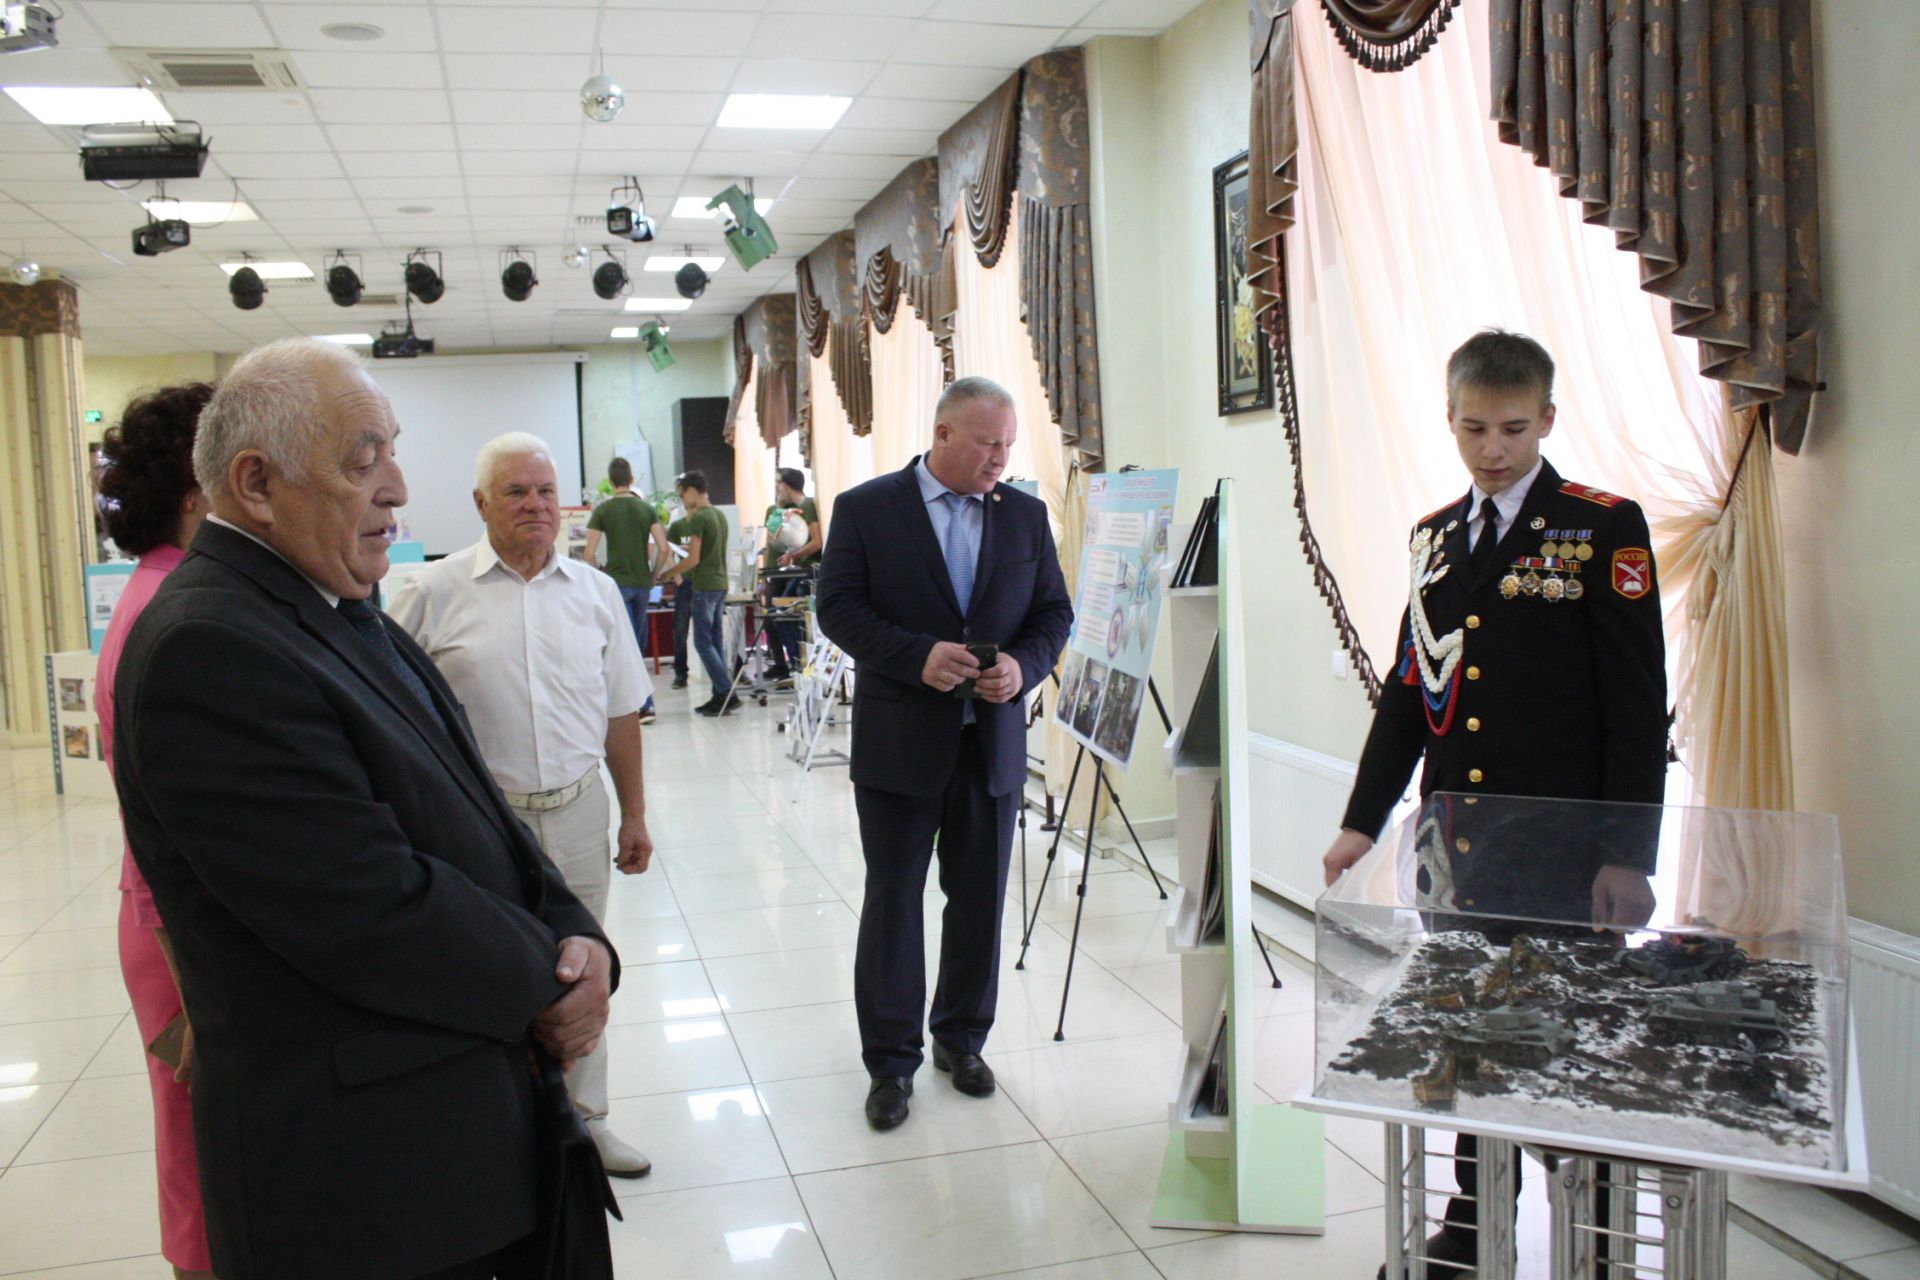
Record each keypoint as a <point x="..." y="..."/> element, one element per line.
<point x="153" y="507"/>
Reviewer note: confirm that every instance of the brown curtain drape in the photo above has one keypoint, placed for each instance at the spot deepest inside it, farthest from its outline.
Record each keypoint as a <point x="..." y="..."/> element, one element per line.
<point x="770" y="328"/>
<point x="1686" y="126"/>
<point x="1273" y="143"/>
<point x="898" y="244"/>
<point x="833" y="323"/>
<point x="742" y="374"/>
<point x="1387" y="35"/>
<point x="1056" y="246"/>
<point x="978" y="158"/>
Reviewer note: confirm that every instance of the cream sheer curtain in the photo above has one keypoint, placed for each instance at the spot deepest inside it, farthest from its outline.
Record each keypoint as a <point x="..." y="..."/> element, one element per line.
<point x="753" y="468"/>
<point x="840" y="459"/>
<point x="906" y="386"/>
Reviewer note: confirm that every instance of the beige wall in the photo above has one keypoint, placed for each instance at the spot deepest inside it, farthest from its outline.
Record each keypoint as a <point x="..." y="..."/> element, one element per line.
<point x="113" y="381"/>
<point x="621" y="396"/>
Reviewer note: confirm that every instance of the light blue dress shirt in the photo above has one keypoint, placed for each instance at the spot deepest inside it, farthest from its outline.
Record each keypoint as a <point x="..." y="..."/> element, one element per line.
<point x="973" y="511"/>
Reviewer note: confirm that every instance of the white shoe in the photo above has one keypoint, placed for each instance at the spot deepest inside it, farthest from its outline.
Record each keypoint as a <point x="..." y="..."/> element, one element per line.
<point x="619" y="1159"/>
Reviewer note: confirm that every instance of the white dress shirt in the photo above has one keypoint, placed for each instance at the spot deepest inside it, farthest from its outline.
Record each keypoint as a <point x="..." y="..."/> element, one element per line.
<point x="1507" y="502"/>
<point x="541" y="666"/>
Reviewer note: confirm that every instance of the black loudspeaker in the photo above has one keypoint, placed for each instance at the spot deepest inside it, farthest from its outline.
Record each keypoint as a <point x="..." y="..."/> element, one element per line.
<point x="698" y="424"/>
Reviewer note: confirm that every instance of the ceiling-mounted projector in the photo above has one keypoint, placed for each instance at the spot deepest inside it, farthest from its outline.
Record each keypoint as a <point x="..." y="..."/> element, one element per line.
<point x="161" y="236"/>
<point x="118" y="153"/>
<point x="395" y="343"/>
<point x="26" y="26"/>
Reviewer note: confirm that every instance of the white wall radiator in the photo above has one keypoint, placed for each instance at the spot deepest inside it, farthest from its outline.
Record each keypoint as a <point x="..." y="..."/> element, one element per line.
<point x="1299" y="797"/>
<point x="1885" y="992"/>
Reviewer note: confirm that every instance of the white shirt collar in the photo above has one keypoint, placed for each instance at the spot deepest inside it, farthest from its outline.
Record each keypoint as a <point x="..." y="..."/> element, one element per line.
<point x="930" y="487"/>
<point x="1509" y="500"/>
<point x="486" y="559"/>
<point x="333" y="601"/>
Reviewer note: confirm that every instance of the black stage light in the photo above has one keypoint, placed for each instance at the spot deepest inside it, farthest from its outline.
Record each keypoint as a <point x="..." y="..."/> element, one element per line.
<point x="247" y="288"/>
<point x="609" y="279"/>
<point x="423" y="282"/>
<point x="517" y="280"/>
<point x="690" y="281"/>
<point x="158" y="237"/>
<point x="343" y="285"/>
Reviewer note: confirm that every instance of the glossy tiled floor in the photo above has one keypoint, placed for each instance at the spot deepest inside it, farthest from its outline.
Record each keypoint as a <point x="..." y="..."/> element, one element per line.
<point x="735" y="1065"/>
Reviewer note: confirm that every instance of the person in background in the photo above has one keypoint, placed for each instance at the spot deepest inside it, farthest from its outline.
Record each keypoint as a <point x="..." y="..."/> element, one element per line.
<point x="537" y="647"/>
<point x="790" y="494"/>
<point x="636" y="547"/>
<point x="679" y="534"/>
<point x="705" y="570"/>
<point x="153" y="508"/>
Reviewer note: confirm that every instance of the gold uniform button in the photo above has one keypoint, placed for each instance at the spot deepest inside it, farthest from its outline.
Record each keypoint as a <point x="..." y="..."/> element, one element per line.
<point x="1463" y="844"/>
<point x="1473" y="621"/>
<point x="1474" y="775"/>
<point x="1473" y="673"/>
<point x="1473" y="724"/>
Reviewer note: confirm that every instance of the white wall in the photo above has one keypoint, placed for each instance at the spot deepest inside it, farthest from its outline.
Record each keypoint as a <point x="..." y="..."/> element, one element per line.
<point x="621" y="396"/>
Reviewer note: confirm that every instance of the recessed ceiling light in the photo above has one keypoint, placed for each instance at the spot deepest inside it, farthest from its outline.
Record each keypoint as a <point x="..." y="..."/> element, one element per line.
<point x="201" y="211"/>
<point x="415" y="208"/>
<point x="658" y="304"/>
<point x="782" y="111"/>
<point x="624" y="331"/>
<point x="272" y="270"/>
<point x="695" y="208"/>
<point x="671" y="262"/>
<point x="357" y="32"/>
<point x="83" y="106"/>
<point x="346" y="339"/>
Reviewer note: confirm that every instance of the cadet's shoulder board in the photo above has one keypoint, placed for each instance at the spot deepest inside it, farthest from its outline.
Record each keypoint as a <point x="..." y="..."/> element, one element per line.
<point x="1436" y="513"/>
<point x="1592" y="494"/>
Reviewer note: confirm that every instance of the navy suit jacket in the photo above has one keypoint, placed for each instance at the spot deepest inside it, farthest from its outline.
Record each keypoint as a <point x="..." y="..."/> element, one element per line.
<point x="885" y="597"/>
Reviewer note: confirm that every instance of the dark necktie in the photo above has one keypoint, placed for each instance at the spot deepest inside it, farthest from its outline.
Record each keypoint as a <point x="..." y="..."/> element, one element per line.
<point x="1485" y="551"/>
<point x="366" y="620"/>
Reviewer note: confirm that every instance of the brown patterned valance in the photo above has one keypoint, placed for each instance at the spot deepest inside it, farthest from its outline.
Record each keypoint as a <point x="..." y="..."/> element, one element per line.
<point x="1387" y="35"/>
<point x="742" y="374"/>
<point x="978" y="156"/>
<point x="1056" y="245"/>
<point x="36" y="310"/>
<point x="1687" y="127"/>
<point x="1273" y="145"/>
<point x="833" y="324"/>
<point x="899" y="239"/>
<point x="771" y="327"/>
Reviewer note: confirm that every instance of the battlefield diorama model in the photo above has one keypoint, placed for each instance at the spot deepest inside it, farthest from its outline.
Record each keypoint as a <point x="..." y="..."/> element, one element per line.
<point x="1656" y="1044"/>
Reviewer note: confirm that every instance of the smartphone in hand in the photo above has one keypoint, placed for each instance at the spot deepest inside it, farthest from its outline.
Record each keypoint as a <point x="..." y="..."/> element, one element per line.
<point x="984" y="654"/>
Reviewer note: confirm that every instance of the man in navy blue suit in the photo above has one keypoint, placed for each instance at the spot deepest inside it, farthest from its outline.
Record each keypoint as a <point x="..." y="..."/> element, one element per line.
<point x="919" y="565"/>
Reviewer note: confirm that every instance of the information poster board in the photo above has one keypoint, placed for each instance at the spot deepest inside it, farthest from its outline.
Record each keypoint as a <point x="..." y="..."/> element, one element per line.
<point x="105" y="582"/>
<point x="1116" y="610"/>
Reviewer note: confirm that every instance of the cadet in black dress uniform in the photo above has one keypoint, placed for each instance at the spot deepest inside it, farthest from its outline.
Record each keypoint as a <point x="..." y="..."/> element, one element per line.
<point x="1530" y="663"/>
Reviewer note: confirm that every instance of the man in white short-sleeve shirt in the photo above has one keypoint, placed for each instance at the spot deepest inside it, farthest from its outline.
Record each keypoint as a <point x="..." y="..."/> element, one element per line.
<point x="539" y="649"/>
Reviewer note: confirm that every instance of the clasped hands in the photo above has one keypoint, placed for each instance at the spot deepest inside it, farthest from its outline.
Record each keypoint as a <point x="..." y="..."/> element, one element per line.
<point x="570" y="1027"/>
<point x="948" y="664"/>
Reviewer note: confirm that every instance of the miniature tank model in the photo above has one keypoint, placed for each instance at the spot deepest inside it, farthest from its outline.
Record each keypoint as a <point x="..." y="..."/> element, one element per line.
<point x="1517" y="1037"/>
<point x="1678" y="958"/>
<point x="1716" y="1013"/>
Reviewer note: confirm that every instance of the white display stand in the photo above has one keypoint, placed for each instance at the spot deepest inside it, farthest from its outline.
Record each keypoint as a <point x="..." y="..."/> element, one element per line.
<point x="1259" y="1167"/>
<point x="79" y="765"/>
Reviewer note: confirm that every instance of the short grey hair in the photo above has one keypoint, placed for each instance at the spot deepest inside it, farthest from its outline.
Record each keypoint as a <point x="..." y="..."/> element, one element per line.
<point x="271" y="401"/>
<point x="963" y="391"/>
<point x="513" y="444"/>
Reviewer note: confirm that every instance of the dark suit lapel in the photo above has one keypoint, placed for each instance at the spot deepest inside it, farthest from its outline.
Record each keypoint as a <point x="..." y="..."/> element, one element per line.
<point x="1453" y="546"/>
<point x="914" y="519"/>
<point x="983" y="571"/>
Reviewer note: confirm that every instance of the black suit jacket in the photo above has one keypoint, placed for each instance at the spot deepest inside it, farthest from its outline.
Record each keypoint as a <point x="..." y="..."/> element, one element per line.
<point x="364" y="930"/>
<point x="1553" y="697"/>
<point x="885" y="597"/>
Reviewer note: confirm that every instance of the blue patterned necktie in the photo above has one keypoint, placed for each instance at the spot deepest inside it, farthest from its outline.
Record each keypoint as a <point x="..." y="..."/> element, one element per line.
<point x="959" y="557"/>
<point x="366" y="620"/>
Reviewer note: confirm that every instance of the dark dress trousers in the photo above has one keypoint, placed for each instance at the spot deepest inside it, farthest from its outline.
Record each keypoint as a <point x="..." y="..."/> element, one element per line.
<point x="885" y="597"/>
<point x="364" y="930"/>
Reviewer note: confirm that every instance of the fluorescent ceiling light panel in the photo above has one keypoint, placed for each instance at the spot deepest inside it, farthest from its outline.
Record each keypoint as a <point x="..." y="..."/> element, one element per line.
<point x="658" y="304"/>
<point x="272" y="270"/>
<point x="695" y="207"/>
<point x="782" y="111"/>
<point x="346" y="339"/>
<point x="202" y="211"/>
<point x="68" y="105"/>
<point x="669" y="262"/>
<point x="624" y="331"/>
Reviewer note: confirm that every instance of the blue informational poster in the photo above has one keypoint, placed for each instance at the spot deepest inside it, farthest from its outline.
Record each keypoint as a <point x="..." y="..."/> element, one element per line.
<point x="105" y="582"/>
<point x="1116" y="609"/>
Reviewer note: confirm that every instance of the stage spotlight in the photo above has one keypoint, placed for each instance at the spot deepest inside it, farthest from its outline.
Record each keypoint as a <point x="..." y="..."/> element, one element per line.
<point x="627" y="213"/>
<point x="423" y="280"/>
<point x="516" y="277"/>
<point x="343" y="282"/>
<point x="653" y="340"/>
<point x="610" y="278"/>
<point x="747" y="233"/>
<point x="247" y="289"/>
<point x="690" y="281"/>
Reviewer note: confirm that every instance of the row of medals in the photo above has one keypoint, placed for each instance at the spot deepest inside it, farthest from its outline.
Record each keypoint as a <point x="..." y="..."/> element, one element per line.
<point x="1563" y="552"/>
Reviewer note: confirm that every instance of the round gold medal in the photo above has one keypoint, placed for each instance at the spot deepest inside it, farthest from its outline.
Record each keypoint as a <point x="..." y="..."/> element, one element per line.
<point x="1567" y="551"/>
<point x="1510" y="585"/>
<point x="1549" y="549"/>
<point x="1531" y="583"/>
<point x="1574" y="589"/>
<point x="1583" y="552"/>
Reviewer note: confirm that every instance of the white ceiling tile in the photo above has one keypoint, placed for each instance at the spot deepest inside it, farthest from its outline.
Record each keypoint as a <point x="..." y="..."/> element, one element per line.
<point x="367" y="70"/>
<point x="407" y="190"/>
<point x="518" y="166"/>
<point x="951" y="84"/>
<point x="212" y="109"/>
<point x="17" y="139"/>
<point x="1156" y="14"/>
<point x="517" y="70"/>
<point x="1034" y="13"/>
<point x="549" y="106"/>
<point x="1080" y="35"/>
<point x="406" y="164"/>
<point x="631" y="135"/>
<point x="279" y="164"/>
<point x="335" y="207"/>
<point x="64" y="66"/>
<point x="409" y="29"/>
<point x="351" y="138"/>
<point x="694" y="32"/>
<point x="826" y="36"/>
<point x="803" y="75"/>
<point x="876" y="8"/>
<point x="966" y="44"/>
<point x="47" y="165"/>
<point x="882" y="142"/>
<point x="265" y="191"/>
<point x="674" y="108"/>
<point x="400" y="108"/>
<point x="754" y="164"/>
<point x="801" y="140"/>
<point x="308" y="230"/>
<point x="639" y="73"/>
<point x="177" y="25"/>
<point x="878" y="170"/>
<point x="479" y="189"/>
<point x="267" y="137"/>
<point x="860" y="190"/>
<point x="545" y="28"/>
<point x="902" y="113"/>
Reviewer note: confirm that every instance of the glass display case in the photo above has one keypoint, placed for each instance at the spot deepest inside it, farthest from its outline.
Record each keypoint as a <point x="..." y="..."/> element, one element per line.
<point x="1658" y="983"/>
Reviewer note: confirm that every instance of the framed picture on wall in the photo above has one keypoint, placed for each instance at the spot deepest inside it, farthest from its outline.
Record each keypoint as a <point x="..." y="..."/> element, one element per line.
<point x="1246" y="362"/>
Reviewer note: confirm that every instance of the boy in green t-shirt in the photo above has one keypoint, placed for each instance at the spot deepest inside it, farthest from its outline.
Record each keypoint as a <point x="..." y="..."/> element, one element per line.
<point x="629" y="524"/>
<point x="704" y="571"/>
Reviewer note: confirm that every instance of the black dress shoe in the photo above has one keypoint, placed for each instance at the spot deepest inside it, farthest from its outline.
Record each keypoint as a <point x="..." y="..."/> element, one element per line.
<point x="971" y="1074"/>
<point x="887" y="1102"/>
<point x="679" y="682"/>
<point x="1449" y="1257"/>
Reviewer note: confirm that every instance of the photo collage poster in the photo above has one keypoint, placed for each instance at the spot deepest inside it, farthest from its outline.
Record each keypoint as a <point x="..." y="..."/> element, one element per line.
<point x="1117" y="609"/>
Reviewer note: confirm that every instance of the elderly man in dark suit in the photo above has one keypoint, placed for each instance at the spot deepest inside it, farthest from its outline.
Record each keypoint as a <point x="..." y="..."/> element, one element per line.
<point x="920" y="565"/>
<point x="367" y="939"/>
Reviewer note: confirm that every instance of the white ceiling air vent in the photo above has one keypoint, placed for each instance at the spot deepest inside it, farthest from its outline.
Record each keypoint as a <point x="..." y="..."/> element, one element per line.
<point x="201" y="70"/>
<point x="378" y="300"/>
